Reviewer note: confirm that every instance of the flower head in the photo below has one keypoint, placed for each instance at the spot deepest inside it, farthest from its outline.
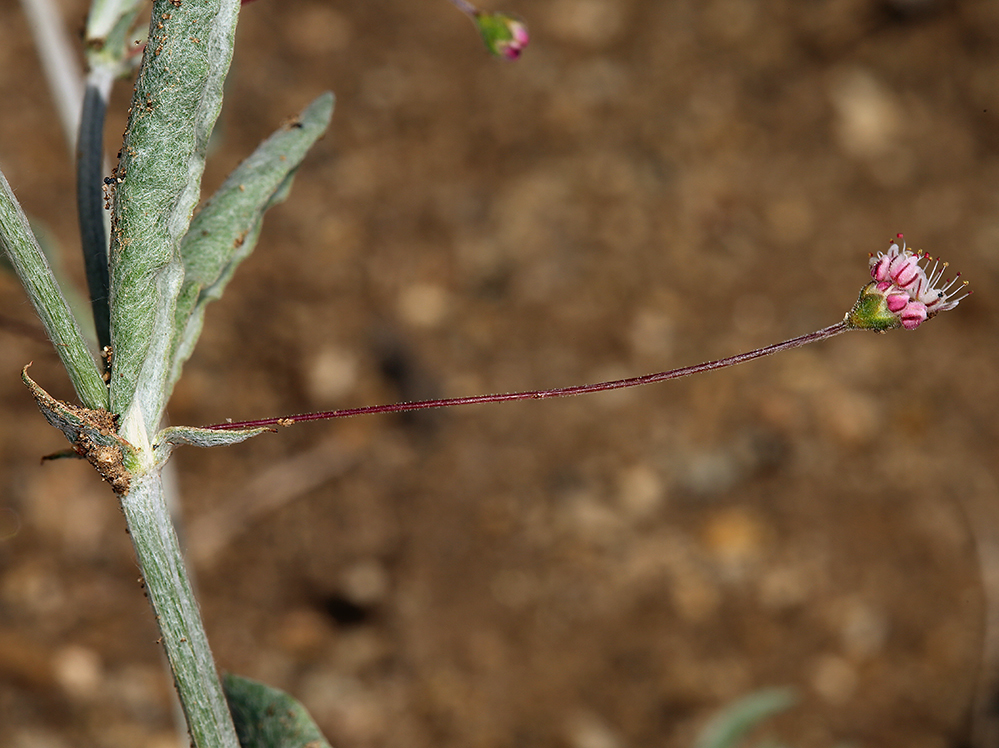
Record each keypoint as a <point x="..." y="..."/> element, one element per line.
<point x="904" y="293"/>
<point x="504" y="35"/>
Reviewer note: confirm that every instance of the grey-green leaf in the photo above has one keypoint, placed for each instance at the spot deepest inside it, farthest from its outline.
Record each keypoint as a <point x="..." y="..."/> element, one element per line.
<point x="266" y="717"/>
<point x="177" y="99"/>
<point x="224" y="232"/>
<point x="36" y="276"/>
<point x="727" y="729"/>
<point x="176" y="436"/>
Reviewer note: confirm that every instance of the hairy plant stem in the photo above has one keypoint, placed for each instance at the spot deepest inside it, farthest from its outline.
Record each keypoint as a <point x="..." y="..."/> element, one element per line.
<point x="579" y="389"/>
<point x="177" y="614"/>
<point x="18" y="241"/>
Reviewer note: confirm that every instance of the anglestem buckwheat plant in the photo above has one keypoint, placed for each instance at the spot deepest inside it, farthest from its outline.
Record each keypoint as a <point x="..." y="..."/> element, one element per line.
<point x="902" y="294"/>
<point x="165" y="264"/>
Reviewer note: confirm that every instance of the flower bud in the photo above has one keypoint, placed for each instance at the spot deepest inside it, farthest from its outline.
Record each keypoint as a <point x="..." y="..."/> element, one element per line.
<point x="504" y="35"/>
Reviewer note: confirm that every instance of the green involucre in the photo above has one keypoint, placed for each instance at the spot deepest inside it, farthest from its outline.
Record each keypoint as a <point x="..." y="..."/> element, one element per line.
<point x="871" y="311"/>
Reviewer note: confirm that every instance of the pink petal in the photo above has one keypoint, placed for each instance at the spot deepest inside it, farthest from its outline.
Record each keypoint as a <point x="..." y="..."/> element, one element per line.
<point x="897" y="302"/>
<point x="904" y="270"/>
<point x="913" y="315"/>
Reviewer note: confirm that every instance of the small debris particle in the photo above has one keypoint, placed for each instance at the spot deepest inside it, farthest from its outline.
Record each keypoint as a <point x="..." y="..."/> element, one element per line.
<point x="107" y="354"/>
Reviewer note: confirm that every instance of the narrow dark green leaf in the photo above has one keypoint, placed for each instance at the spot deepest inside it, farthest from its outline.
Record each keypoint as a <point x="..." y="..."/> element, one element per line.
<point x="90" y="207"/>
<point x="268" y="718"/>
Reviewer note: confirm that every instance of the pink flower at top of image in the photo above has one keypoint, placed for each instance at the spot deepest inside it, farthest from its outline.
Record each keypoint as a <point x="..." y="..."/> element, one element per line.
<point x="519" y="38"/>
<point x="504" y="35"/>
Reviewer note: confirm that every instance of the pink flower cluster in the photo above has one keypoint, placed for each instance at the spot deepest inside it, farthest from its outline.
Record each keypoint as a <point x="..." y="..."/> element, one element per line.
<point x="911" y="292"/>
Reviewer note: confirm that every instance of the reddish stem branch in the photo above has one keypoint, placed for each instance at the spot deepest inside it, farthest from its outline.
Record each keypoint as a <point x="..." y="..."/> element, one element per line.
<point x="467" y="8"/>
<point x="579" y="389"/>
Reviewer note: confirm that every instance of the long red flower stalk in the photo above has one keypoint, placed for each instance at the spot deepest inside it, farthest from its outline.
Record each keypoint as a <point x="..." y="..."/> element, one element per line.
<point x="902" y="294"/>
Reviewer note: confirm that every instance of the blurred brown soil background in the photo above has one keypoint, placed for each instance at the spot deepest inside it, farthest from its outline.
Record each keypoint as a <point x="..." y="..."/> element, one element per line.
<point x="655" y="183"/>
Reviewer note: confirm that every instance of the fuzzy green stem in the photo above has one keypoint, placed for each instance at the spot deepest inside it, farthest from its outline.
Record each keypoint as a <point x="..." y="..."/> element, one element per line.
<point x="176" y="100"/>
<point x="177" y="614"/>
